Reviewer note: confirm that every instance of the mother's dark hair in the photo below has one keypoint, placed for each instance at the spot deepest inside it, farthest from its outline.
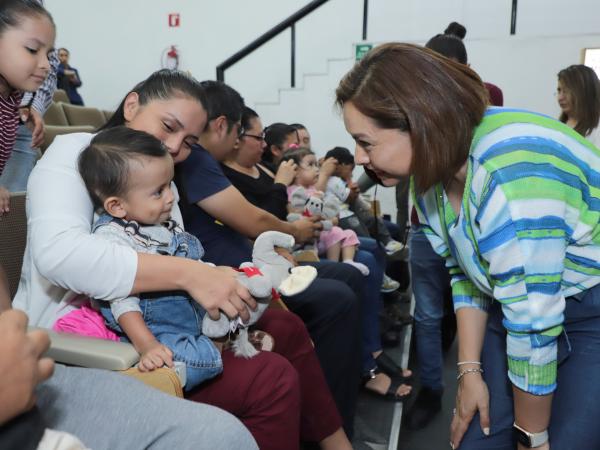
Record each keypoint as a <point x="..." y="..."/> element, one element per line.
<point x="163" y="84"/>
<point x="413" y="89"/>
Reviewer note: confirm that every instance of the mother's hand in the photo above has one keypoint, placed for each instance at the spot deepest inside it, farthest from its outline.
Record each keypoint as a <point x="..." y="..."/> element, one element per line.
<point x="472" y="396"/>
<point x="218" y="289"/>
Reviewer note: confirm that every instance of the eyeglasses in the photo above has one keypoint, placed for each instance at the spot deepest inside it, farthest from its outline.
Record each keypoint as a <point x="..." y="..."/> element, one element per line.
<point x="258" y="137"/>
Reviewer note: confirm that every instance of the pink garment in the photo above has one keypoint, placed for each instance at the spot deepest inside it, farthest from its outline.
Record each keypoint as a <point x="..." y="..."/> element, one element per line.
<point x="85" y="321"/>
<point x="335" y="235"/>
<point x="329" y="237"/>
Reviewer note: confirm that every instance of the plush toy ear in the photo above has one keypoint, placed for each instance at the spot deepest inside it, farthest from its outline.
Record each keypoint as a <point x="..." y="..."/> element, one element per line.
<point x="299" y="279"/>
<point x="299" y="198"/>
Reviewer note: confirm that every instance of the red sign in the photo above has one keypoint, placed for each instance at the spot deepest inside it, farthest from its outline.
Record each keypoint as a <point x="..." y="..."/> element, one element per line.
<point x="174" y="19"/>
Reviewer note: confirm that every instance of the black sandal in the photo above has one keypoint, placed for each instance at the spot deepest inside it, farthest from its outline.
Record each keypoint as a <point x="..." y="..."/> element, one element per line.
<point x="388" y="366"/>
<point x="391" y="393"/>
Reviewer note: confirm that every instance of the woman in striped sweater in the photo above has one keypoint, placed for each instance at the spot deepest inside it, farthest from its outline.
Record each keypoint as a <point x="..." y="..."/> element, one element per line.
<point x="511" y="199"/>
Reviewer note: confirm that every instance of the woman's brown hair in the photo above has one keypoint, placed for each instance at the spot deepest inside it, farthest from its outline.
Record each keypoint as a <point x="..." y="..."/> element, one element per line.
<point x="583" y="87"/>
<point x="436" y="100"/>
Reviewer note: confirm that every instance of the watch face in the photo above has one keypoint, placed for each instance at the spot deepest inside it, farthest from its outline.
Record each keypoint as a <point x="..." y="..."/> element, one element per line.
<point x="522" y="438"/>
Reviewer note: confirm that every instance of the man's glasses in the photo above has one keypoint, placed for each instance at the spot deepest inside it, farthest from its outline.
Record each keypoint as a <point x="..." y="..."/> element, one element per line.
<point x="258" y="137"/>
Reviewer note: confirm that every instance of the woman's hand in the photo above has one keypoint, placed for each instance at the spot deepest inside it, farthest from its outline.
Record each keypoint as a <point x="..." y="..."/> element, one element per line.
<point x="22" y="365"/>
<point x="472" y="396"/>
<point x="286" y="172"/>
<point x="4" y="201"/>
<point x="307" y="229"/>
<point x="218" y="289"/>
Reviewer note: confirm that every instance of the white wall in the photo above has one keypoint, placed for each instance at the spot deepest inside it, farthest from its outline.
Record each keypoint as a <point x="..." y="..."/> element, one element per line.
<point x="116" y="43"/>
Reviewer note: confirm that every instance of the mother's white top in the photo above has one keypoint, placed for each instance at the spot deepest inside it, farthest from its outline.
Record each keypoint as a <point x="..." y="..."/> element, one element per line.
<point x="62" y="257"/>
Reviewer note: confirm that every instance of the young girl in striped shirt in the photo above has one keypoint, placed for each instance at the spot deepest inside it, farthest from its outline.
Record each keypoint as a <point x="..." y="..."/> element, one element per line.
<point x="27" y="35"/>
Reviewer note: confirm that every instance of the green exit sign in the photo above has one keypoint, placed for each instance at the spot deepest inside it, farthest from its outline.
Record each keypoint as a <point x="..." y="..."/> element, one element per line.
<point x="362" y="50"/>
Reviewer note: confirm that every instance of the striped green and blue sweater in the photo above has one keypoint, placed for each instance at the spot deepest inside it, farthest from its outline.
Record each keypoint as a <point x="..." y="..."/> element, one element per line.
<point x="527" y="235"/>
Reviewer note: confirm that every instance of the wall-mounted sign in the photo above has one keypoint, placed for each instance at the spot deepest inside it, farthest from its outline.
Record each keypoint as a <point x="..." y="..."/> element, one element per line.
<point x="174" y="20"/>
<point x="362" y="50"/>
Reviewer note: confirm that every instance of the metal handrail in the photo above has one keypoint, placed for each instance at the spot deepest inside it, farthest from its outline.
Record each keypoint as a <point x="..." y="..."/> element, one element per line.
<point x="276" y="30"/>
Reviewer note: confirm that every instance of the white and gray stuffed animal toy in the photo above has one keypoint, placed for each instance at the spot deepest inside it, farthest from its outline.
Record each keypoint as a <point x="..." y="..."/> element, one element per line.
<point x="268" y="275"/>
<point x="314" y="205"/>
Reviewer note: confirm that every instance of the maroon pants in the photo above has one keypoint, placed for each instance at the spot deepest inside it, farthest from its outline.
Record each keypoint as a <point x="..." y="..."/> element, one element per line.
<point x="281" y="396"/>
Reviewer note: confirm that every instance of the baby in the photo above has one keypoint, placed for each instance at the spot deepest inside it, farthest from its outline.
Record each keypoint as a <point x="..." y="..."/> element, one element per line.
<point x="335" y="243"/>
<point x="128" y="174"/>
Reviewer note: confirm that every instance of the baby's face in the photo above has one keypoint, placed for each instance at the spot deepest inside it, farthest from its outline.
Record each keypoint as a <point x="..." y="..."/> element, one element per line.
<point x="149" y="198"/>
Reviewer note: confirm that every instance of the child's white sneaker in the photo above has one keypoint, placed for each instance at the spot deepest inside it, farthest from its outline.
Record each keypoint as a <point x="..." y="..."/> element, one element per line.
<point x="389" y="284"/>
<point x="360" y="266"/>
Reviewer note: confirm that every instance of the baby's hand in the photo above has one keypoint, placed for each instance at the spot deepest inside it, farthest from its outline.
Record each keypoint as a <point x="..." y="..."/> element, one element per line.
<point x="155" y="355"/>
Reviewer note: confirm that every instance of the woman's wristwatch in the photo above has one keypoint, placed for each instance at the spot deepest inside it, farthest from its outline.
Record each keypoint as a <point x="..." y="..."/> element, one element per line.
<point x="530" y="440"/>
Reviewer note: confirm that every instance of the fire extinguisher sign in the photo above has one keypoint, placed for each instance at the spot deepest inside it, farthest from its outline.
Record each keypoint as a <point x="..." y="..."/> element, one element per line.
<point x="174" y="20"/>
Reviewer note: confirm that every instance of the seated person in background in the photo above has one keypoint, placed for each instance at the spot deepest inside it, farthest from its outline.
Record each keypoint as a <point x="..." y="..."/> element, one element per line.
<point x="335" y="243"/>
<point x="303" y="135"/>
<point x="365" y="223"/>
<point x="241" y="164"/>
<point x="223" y="220"/>
<point x="128" y="174"/>
<point x="279" y="137"/>
<point x="578" y="95"/>
<point x="68" y="77"/>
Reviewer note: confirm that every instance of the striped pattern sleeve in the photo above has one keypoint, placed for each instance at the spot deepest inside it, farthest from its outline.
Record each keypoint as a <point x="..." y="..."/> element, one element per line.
<point x="524" y="246"/>
<point x="42" y="98"/>
<point x="464" y="292"/>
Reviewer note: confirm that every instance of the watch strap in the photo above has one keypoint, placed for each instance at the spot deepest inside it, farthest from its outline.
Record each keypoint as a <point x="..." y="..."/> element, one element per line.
<point x="535" y="439"/>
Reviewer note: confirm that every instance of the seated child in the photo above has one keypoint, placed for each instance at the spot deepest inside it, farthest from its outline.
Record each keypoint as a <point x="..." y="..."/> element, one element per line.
<point x="128" y="174"/>
<point x="363" y="220"/>
<point x="335" y="243"/>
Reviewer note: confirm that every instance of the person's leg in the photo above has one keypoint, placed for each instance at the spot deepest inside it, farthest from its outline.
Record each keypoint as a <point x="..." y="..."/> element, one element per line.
<point x="319" y="417"/>
<point x="333" y="251"/>
<point x="263" y="392"/>
<point x="575" y="406"/>
<point x="494" y="364"/>
<point x="21" y="162"/>
<point x="106" y="410"/>
<point x="430" y="280"/>
<point x="330" y="310"/>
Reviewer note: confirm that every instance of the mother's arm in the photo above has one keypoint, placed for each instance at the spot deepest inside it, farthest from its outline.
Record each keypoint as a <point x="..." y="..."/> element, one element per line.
<point x="230" y="207"/>
<point x="65" y="252"/>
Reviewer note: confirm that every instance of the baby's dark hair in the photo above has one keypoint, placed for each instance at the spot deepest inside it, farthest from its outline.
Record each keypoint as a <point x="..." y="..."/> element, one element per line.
<point x="296" y="155"/>
<point x="341" y="154"/>
<point x="105" y="164"/>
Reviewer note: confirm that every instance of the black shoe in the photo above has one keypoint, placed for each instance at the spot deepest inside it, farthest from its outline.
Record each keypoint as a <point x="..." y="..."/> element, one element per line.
<point x="426" y="406"/>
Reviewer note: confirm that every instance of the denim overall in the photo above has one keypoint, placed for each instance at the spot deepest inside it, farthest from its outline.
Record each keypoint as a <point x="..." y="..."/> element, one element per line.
<point x="174" y="318"/>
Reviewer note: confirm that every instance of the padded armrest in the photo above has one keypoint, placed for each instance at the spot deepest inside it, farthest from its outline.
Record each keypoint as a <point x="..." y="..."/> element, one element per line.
<point x="89" y="352"/>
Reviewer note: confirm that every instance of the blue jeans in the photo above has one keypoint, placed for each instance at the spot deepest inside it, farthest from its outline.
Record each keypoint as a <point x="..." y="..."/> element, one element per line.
<point x="430" y="279"/>
<point x="175" y="319"/>
<point x="575" y="406"/>
<point x="371" y="255"/>
<point x="20" y="164"/>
